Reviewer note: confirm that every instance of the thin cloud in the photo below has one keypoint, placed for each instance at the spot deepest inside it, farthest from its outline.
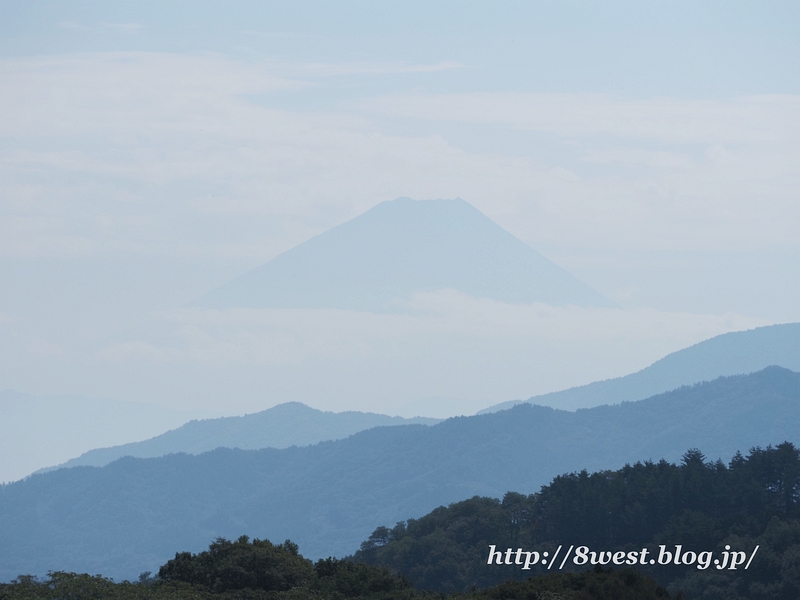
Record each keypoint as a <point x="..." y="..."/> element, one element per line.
<point x="376" y="68"/>
<point x="86" y="134"/>
<point x="447" y="341"/>
<point x="284" y="336"/>
<point x="641" y="158"/>
<point x="101" y="26"/>
<point x="764" y="118"/>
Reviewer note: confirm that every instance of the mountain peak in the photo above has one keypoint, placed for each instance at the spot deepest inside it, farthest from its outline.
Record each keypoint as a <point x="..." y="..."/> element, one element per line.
<point x="399" y="248"/>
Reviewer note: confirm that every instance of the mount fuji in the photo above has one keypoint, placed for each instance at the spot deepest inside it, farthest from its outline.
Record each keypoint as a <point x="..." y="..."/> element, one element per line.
<point x="400" y="248"/>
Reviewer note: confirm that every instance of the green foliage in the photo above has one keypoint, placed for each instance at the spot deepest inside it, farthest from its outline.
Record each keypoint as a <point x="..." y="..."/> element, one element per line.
<point x="241" y="570"/>
<point x="62" y="586"/>
<point x="773" y="575"/>
<point x="262" y="571"/>
<point x="700" y="505"/>
<point x="240" y="565"/>
<point x="625" y="584"/>
<point x="345" y="579"/>
<point x="342" y="580"/>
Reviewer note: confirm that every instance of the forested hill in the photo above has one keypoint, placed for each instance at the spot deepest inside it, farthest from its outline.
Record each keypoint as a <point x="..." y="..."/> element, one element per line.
<point x="698" y="504"/>
<point x="133" y="514"/>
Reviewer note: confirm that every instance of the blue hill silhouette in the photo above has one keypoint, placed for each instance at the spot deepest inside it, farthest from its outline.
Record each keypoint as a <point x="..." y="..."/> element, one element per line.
<point x="734" y="353"/>
<point x="282" y="426"/>
<point x="134" y="514"/>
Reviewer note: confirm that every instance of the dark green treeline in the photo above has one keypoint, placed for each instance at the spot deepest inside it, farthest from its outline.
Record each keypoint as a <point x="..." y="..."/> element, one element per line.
<point x="260" y="570"/>
<point x="698" y="504"/>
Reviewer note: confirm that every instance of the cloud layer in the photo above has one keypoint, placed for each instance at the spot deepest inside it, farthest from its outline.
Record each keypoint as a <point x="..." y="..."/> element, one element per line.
<point x="202" y="157"/>
<point x="444" y="344"/>
<point x="172" y="153"/>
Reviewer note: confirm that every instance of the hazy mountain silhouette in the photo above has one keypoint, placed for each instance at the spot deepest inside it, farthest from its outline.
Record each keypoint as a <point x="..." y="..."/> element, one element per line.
<point x="728" y="354"/>
<point x="282" y="426"/>
<point x="399" y="248"/>
<point x="133" y="514"/>
<point x="36" y="431"/>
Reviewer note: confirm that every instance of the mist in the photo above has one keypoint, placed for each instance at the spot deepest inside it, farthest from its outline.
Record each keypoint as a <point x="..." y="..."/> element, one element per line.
<point x="150" y="155"/>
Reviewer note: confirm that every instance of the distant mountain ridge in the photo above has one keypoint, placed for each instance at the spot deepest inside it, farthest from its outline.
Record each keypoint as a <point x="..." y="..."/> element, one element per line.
<point x="282" y="426"/>
<point x="36" y="431"/>
<point x="733" y="353"/>
<point x="133" y="514"/>
<point x="399" y="248"/>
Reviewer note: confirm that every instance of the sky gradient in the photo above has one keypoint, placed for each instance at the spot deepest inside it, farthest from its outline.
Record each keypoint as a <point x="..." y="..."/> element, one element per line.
<point x="149" y="154"/>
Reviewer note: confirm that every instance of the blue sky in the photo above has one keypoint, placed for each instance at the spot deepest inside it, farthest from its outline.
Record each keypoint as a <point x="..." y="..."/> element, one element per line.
<point x="710" y="49"/>
<point x="151" y="152"/>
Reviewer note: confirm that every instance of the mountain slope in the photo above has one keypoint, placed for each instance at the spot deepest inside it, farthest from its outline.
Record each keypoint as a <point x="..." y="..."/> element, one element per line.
<point x="133" y="514"/>
<point x="728" y="354"/>
<point x="399" y="248"/>
<point x="282" y="426"/>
